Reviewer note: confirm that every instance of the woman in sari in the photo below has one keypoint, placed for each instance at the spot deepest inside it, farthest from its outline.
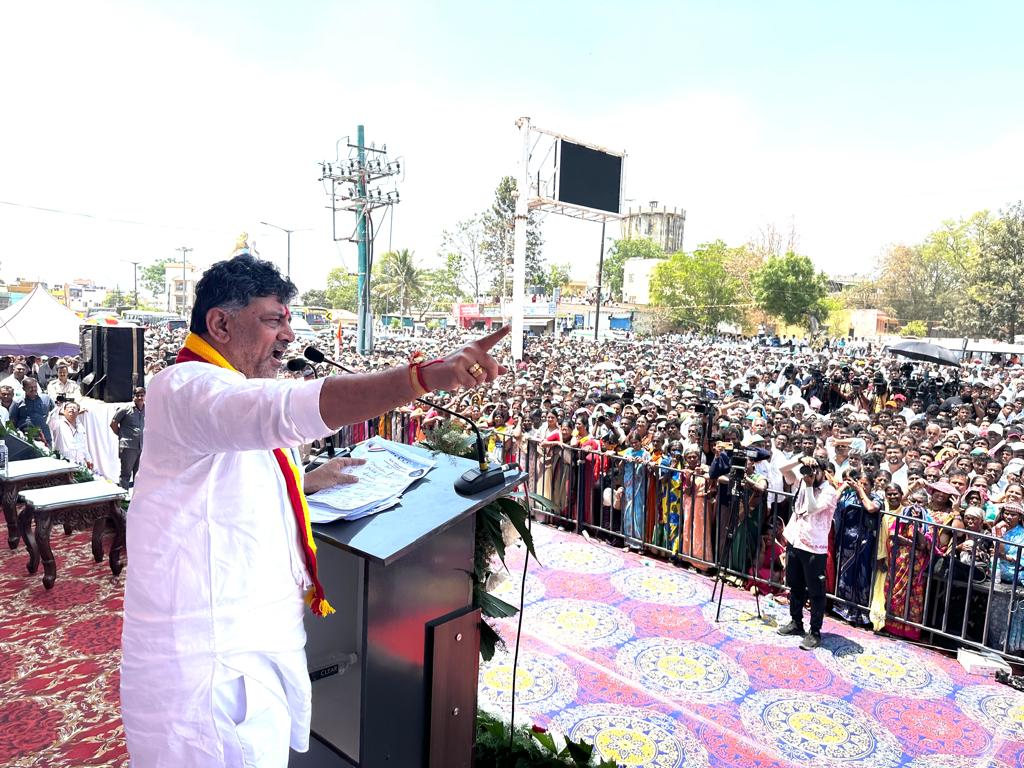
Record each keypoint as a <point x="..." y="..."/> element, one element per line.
<point x="746" y="527"/>
<point x="856" y="532"/>
<point x="910" y="546"/>
<point x="671" y="476"/>
<point x="550" y="432"/>
<point x="893" y="496"/>
<point x="634" y="484"/>
<point x="558" y="455"/>
<point x="771" y="566"/>
<point x="1011" y="567"/>
<point x="589" y="467"/>
<point x="696" y="533"/>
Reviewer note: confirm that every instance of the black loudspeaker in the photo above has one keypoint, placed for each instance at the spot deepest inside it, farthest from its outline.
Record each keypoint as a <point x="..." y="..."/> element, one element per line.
<point x="113" y="362"/>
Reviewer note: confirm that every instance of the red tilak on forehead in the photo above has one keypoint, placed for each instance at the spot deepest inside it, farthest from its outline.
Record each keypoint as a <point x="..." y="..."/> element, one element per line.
<point x="287" y="314"/>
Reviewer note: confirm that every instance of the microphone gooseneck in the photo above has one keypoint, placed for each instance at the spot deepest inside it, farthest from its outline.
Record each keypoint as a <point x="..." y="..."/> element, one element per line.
<point x="473" y="481"/>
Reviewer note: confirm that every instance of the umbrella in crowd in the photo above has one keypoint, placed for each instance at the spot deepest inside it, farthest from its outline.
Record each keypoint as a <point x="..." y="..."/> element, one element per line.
<point x="925" y="352"/>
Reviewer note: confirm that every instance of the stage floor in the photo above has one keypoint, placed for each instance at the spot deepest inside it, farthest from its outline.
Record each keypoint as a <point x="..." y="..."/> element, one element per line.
<point x="624" y="651"/>
<point x="616" y="649"/>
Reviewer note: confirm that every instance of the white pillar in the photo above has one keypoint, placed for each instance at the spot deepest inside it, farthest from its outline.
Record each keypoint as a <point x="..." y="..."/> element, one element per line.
<point x="519" y="242"/>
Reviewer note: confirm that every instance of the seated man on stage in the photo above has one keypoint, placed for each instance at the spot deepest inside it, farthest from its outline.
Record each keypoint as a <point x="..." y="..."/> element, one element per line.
<point x="223" y="561"/>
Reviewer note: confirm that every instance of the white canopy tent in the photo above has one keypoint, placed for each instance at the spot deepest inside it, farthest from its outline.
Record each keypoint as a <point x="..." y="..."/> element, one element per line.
<point x="39" y="325"/>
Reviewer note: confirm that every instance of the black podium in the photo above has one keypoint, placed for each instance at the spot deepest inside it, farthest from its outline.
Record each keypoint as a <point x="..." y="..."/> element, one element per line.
<point x="394" y="670"/>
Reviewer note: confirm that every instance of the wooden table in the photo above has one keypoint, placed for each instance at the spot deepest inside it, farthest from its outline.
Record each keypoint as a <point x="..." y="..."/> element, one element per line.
<point x="25" y="475"/>
<point x="77" y="506"/>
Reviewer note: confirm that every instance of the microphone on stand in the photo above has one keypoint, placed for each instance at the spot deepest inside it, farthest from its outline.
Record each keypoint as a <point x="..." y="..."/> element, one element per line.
<point x="301" y="364"/>
<point x="473" y="480"/>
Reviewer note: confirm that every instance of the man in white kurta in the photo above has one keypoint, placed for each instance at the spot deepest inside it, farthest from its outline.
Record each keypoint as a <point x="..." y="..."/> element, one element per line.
<point x="202" y="625"/>
<point x="213" y="669"/>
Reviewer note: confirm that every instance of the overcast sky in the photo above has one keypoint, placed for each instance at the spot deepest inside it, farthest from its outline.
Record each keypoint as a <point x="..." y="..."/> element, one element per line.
<point x="185" y="123"/>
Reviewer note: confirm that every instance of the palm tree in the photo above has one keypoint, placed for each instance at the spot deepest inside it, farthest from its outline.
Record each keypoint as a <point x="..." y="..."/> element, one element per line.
<point x="398" y="278"/>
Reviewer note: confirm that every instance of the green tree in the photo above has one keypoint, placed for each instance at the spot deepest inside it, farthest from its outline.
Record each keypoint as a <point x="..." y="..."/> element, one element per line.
<point x="556" y="276"/>
<point x="867" y="294"/>
<point x="915" y="328"/>
<point x="466" y="244"/>
<point x="917" y="282"/>
<point x="114" y="299"/>
<point x="397" y="279"/>
<point x="315" y="297"/>
<point x="615" y="261"/>
<point x="342" y="290"/>
<point x="498" y="231"/>
<point x="788" y="287"/>
<point x="991" y="283"/>
<point x="153" y="277"/>
<point x="695" y="290"/>
<point x="440" y="288"/>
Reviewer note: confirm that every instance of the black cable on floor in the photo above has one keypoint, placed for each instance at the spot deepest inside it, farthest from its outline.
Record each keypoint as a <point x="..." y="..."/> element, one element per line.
<point x="522" y="610"/>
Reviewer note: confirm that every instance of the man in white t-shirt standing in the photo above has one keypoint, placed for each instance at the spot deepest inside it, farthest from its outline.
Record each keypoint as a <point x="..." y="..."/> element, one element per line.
<point x="807" y="549"/>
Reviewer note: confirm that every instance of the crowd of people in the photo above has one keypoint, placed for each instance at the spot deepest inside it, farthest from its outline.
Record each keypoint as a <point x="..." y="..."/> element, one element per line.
<point x="41" y="399"/>
<point x="639" y="438"/>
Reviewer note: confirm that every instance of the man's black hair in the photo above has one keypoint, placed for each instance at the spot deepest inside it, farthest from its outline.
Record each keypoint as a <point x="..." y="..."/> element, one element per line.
<point x="231" y="284"/>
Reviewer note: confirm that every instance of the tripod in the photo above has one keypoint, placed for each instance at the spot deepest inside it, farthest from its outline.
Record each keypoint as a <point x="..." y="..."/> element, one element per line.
<point x="722" y="555"/>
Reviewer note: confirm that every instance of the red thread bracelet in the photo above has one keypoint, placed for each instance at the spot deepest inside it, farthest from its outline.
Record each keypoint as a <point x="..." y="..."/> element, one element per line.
<point x="419" y="372"/>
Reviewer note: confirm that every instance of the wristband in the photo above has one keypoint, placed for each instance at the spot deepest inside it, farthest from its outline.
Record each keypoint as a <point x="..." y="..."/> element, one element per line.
<point x="415" y="381"/>
<point x="416" y="358"/>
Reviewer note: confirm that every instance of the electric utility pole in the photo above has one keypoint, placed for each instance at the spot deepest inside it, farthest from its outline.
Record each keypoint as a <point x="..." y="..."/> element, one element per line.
<point x="355" y="186"/>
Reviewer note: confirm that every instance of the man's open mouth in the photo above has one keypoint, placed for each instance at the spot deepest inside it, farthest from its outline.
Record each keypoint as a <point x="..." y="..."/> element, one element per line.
<point x="278" y="354"/>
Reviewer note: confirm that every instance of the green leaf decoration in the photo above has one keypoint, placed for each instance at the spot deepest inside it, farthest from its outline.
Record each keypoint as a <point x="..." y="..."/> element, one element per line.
<point x="490" y="518"/>
<point x="546" y="503"/>
<point x="518" y="516"/>
<point x="546" y="740"/>
<point x="495" y="607"/>
<point x="489" y="641"/>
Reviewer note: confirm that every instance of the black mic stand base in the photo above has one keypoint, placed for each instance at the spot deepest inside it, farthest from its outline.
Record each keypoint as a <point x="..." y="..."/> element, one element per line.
<point x="475" y="480"/>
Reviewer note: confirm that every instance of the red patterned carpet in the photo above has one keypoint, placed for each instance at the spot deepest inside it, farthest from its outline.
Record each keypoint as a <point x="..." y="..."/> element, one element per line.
<point x="59" y="654"/>
<point x="617" y="650"/>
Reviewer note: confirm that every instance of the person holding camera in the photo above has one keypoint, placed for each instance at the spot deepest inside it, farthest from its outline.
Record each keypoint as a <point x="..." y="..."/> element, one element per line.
<point x="807" y="549"/>
<point x="61" y="387"/>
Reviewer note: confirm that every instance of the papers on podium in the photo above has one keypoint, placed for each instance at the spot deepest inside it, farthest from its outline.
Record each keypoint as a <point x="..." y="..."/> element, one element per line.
<point x="388" y="471"/>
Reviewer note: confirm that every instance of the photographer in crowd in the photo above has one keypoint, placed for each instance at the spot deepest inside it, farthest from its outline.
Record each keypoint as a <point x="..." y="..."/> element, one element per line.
<point x="806" y="555"/>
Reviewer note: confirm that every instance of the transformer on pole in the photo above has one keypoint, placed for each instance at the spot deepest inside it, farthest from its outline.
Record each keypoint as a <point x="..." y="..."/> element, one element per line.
<point x="355" y="186"/>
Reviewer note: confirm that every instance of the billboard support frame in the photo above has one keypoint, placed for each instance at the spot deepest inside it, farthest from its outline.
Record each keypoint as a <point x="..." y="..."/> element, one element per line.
<point x="527" y="202"/>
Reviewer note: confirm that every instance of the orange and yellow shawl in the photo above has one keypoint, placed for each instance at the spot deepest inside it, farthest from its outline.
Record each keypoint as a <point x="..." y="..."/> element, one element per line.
<point x="197" y="350"/>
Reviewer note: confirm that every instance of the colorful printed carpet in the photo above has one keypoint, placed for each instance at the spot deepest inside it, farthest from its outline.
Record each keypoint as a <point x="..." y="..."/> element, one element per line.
<point x="625" y="653"/>
<point x="618" y="650"/>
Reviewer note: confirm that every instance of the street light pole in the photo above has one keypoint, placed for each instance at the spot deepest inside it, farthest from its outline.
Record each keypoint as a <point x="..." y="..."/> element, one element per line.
<point x="135" y="277"/>
<point x="288" y="232"/>
<point x="184" y="283"/>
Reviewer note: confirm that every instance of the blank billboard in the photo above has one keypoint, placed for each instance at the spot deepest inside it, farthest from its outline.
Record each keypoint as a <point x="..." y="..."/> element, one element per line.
<point x="589" y="177"/>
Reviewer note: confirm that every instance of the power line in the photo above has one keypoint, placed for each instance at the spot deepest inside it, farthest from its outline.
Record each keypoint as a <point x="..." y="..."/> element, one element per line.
<point x="109" y="220"/>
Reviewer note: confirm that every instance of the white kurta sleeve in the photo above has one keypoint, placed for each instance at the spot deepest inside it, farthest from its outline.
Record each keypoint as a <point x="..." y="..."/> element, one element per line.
<point x="219" y="411"/>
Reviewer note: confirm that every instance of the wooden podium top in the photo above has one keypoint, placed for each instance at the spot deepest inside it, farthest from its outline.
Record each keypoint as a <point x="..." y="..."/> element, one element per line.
<point x="428" y="507"/>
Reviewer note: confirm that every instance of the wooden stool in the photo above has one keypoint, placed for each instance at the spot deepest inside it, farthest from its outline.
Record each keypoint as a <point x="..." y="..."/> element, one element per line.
<point x="25" y="475"/>
<point x="78" y="505"/>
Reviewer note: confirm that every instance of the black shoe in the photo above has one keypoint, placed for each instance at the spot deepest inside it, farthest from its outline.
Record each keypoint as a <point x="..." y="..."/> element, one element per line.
<point x="791" y="629"/>
<point x="811" y="641"/>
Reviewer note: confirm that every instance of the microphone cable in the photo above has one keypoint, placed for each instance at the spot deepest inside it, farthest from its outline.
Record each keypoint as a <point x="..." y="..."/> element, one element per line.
<point x="522" y="610"/>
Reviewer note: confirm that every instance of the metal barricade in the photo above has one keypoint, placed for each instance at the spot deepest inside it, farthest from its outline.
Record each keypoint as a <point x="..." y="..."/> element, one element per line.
<point x="908" y="574"/>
